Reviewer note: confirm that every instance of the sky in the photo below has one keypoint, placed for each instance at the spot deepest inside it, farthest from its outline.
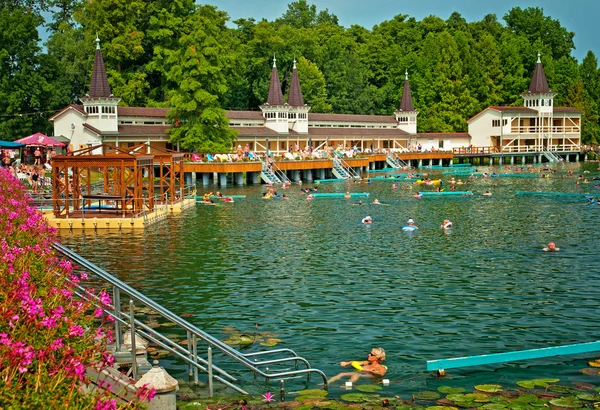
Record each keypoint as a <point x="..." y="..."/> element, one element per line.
<point x="578" y="16"/>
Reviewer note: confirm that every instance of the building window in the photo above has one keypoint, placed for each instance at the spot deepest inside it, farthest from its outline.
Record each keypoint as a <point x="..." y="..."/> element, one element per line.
<point x="550" y="103"/>
<point x="495" y="123"/>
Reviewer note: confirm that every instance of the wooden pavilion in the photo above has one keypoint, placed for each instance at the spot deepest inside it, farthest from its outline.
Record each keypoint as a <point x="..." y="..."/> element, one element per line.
<point x="168" y="168"/>
<point x="126" y="189"/>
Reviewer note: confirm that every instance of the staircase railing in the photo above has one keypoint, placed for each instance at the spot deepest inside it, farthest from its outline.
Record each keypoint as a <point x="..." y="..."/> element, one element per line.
<point x="268" y="175"/>
<point x="189" y="353"/>
<point x="551" y="156"/>
<point x="345" y="171"/>
<point x="280" y="174"/>
<point x="396" y="162"/>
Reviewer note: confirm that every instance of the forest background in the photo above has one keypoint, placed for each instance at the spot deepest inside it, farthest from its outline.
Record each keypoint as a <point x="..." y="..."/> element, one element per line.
<point x="191" y="58"/>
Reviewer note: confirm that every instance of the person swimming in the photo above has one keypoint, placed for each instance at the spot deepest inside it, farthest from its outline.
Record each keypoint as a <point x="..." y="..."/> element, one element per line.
<point x="447" y="224"/>
<point x="551" y="247"/>
<point x="367" y="220"/>
<point x="347" y="196"/>
<point x="376" y="202"/>
<point x="366" y="368"/>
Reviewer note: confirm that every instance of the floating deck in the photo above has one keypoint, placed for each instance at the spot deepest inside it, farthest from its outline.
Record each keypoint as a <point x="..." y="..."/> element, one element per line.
<point x="445" y="193"/>
<point x="338" y="194"/>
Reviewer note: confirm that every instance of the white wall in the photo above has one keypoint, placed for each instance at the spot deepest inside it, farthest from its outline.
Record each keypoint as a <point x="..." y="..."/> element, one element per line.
<point x="62" y="124"/>
<point x="481" y="128"/>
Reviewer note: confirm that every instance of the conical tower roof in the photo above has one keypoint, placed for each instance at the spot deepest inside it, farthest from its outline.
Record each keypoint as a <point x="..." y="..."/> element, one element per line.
<point x="539" y="83"/>
<point x="295" y="96"/>
<point x="99" y="87"/>
<point x="275" y="95"/>
<point x="406" y="104"/>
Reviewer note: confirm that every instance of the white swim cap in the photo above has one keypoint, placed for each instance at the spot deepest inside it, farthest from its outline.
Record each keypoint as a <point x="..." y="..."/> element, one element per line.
<point x="410" y="221"/>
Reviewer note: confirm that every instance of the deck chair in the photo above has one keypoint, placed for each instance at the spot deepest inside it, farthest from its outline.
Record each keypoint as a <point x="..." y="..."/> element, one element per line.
<point x="196" y="158"/>
<point x="251" y="156"/>
<point x="210" y="158"/>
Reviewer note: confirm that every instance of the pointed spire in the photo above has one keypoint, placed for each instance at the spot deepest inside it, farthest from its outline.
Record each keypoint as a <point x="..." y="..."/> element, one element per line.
<point x="406" y="104"/>
<point x="295" y="96"/>
<point x="275" y="95"/>
<point x="539" y="83"/>
<point x="99" y="85"/>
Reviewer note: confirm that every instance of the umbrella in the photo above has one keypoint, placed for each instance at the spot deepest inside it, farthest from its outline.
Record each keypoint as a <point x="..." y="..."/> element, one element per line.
<point x="40" y="139"/>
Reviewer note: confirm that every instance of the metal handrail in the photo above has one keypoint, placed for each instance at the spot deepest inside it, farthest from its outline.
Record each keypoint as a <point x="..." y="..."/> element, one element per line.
<point x="349" y="170"/>
<point x="243" y="359"/>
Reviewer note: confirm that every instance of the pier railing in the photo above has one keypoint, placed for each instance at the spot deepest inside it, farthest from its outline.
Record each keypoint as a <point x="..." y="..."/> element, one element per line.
<point x="126" y="318"/>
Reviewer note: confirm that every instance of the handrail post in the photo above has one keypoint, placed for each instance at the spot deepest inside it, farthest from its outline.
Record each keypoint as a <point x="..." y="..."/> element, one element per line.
<point x="210" y="372"/>
<point x="189" y="343"/>
<point x="133" y="347"/>
<point x="117" y="312"/>
<point x="195" y="356"/>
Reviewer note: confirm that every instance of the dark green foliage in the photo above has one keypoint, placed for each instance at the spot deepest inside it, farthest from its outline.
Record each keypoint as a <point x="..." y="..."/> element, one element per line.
<point x="170" y="53"/>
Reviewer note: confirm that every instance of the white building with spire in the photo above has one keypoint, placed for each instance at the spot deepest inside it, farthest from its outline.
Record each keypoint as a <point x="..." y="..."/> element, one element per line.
<point x="537" y="126"/>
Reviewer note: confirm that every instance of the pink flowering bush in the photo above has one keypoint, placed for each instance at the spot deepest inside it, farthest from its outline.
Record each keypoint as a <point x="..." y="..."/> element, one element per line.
<point x="48" y="337"/>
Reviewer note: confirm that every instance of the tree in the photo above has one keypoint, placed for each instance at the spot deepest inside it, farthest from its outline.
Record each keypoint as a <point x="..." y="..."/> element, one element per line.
<point x="23" y="89"/>
<point x="532" y="23"/>
<point x="312" y="82"/>
<point x="197" y="66"/>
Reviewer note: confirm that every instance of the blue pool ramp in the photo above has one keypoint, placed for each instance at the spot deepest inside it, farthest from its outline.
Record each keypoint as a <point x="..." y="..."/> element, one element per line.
<point x="480" y="360"/>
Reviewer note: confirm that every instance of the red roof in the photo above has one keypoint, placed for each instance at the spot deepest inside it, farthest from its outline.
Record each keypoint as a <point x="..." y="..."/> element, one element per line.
<point x="99" y="87"/>
<point x="357" y="132"/>
<point x="567" y="110"/>
<point x="523" y="110"/>
<point x="245" y="115"/>
<point x="143" y="112"/>
<point x="256" y="132"/>
<point x="78" y="108"/>
<point x="89" y="127"/>
<point x="388" y="119"/>
<point x="142" y="130"/>
<point x="444" y="135"/>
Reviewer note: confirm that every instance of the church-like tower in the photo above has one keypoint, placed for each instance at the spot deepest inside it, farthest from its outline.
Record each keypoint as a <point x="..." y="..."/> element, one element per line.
<point x="275" y="110"/>
<point x="406" y="115"/>
<point x="298" y="114"/>
<point x="540" y="98"/>
<point x="100" y="105"/>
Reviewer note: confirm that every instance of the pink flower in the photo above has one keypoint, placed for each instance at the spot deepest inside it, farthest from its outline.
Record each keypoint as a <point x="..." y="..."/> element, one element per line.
<point x="49" y="322"/>
<point x="84" y="276"/>
<point x="145" y="393"/>
<point x="56" y="344"/>
<point x="109" y="404"/>
<point x="76" y="330"/>
<point x="104" y="298"/>
<point x="98" y="312"/>
<point x="268" y="396"/>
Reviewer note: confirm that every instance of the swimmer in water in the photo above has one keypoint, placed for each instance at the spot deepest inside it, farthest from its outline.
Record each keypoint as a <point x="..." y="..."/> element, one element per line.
<point x="376" y="202"/>
<point x="367" y="220"/>
<point x="447" y="224"/>
<point x="367" y="368"/>
<point x="551" y="247"/>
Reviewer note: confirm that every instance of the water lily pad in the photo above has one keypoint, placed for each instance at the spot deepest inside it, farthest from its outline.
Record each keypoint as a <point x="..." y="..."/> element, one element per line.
<point x="441" y="408"/>
<point x="268" y="344"/>
<point x="560" y="389"/>
<point x="495" y="406"/>
<point x="570" y="402"/>
<point x="355" y="397"/>
<point x="530" y="384"/>
<point x="230" y="330"/>
<point x="427" y="395"/>
<point x="477" y="397"/>
<point x="595" y="363"/>
<point x="313" y="392"/>
<point x="450" y="390"/>
<point x="246" y="340"/>
<point x="589" y="397"/>
<point x="590" y="371"/>
<point x="368" y="388"/>
<point x="489" y="388"/>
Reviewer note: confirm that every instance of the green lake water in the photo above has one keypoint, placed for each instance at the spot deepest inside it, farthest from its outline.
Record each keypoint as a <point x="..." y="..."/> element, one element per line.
<point x="331" y="288"/>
